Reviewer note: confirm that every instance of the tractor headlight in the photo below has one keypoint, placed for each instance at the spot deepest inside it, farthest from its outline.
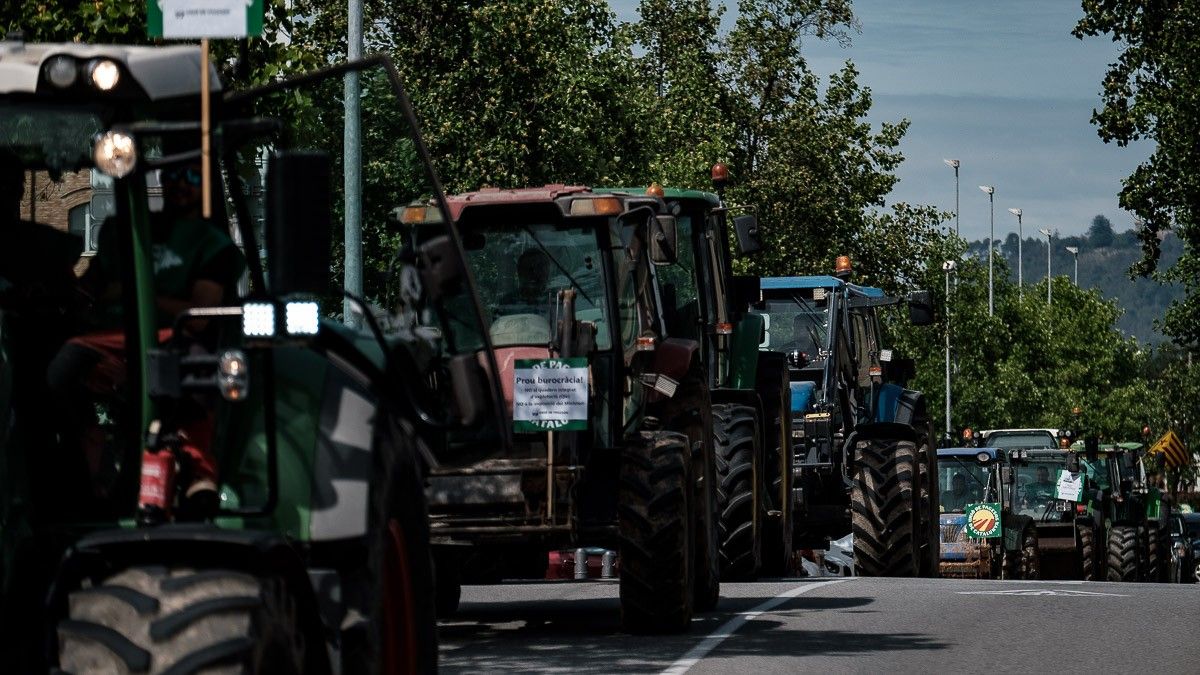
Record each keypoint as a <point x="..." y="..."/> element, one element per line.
<point x="302" y="317"/>
<point x="61" y="71"/>
<point x="258" y="319"/>
<point x="104" y="74"/>
<point x="983" y="457"/>
<point x="115" y="153"/>
<point x="232" y="375"/>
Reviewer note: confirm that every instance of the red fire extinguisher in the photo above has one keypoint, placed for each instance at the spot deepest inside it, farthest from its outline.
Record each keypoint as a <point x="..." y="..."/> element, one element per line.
<point x="157" y="492"/>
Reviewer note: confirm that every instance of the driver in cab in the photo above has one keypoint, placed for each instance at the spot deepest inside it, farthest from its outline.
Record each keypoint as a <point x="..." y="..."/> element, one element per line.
<point x="1042" y="489"/>
<point x="958" y="497"/>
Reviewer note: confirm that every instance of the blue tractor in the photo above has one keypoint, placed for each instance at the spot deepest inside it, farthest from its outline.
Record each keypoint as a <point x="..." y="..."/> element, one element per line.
<point x="863" y="442"/>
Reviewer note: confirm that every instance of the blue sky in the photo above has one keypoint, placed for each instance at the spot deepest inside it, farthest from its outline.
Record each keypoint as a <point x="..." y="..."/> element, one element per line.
<point x="1004" y="88"/>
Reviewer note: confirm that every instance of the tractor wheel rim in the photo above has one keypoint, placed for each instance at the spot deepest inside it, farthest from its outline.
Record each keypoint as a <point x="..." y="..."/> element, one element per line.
<point x="398" y="625"/>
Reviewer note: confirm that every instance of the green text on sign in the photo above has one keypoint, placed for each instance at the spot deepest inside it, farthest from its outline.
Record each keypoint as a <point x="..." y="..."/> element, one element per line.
<point x="983" y="520"/>
<point x="192" y="19"/>
<point x="550" y="395"/>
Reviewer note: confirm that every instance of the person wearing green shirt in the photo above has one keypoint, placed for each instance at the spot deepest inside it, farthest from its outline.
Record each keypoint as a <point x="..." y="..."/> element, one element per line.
<point x="196" y="264"/>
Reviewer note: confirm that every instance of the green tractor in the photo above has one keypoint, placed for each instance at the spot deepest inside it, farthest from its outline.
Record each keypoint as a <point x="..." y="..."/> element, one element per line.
<point x="705" y="302"/>
<point x="312" y="553"/>
<point x="610" y="414"/>
<point x="1129" y="515"/>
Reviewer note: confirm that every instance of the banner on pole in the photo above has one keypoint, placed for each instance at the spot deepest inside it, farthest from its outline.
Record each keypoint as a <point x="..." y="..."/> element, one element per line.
<point x="194" y="19"/>
<point x="550" y="395"/>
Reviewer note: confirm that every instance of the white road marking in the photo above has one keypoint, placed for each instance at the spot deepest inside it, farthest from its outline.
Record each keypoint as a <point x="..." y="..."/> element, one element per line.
<point x="731" y="626"/>
<point x="1055" y="592"/>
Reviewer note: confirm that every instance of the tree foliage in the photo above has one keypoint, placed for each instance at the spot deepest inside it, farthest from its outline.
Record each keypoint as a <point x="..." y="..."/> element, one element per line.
<point x="1150" y="92"/>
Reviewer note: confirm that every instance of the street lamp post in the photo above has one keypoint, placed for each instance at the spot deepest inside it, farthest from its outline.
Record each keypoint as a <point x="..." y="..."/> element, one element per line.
<point x="948" y="267"/>
<point x="991" y="193"/>
<point x="1074" y="250"/>
<point x="954" y="164"/>
<point x="1020" y="241"/>
<point x="1048" y="284"/>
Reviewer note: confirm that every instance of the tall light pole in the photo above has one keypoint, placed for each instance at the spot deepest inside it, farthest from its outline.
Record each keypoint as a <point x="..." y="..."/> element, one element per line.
<point x="1020" y="240"/>
<point x="991" y="193"/>
<point x="1048" y="237"/>
<point x="352" y="177"/>
<point x="1074" y="250"/>
<point x="948" y="267"/>
<point x="954" y="164"/>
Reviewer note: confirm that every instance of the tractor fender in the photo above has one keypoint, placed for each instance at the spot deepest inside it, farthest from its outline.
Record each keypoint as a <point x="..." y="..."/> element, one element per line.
<point x="674" y="357"/>
<point x="198" y="546"/>
<point x="885" y="430"/>
<point x="1014" y="530"/>
<point x="897" y="404"/>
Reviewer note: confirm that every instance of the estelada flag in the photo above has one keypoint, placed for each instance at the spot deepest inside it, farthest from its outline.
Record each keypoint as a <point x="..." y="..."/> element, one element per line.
<point x="1174" y="453"/>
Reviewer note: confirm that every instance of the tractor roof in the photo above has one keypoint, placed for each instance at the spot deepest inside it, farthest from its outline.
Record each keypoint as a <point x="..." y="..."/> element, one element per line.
<point x="988" y="432"/>
<point x="818" y="281"/>
<point x="968" y="452"/>
<point x="497" y="196"/>
<point x="668" y="194"/>
<point x="161" y="72"/>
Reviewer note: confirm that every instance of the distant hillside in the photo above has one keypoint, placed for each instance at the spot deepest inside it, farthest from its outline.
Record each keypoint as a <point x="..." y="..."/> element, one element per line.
<point x="1104" y="260"/>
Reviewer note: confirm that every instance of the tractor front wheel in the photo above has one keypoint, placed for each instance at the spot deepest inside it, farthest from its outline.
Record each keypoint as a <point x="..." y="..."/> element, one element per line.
<point x="1087" y="553"/>
<point x="155" y="619"/>
<point x="655" y="520"/>
<point x="883" y="514"/>
<point x="1122" y="553"/>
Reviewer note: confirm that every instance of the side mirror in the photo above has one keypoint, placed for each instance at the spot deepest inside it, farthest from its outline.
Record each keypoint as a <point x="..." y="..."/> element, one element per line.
<point x="298" y="221"/>
<point x="920" y="308"/>
<point x="745" y="229"/>
<point x="1073" y="462"/>
<point x="441" y="268"/>
<point x="664" y="240"/>
<point x="899" y="370"/>
<point x="746" y="291"/>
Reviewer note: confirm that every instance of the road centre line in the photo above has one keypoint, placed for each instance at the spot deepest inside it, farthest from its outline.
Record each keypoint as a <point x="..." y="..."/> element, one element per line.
<point x="727" y="629"/>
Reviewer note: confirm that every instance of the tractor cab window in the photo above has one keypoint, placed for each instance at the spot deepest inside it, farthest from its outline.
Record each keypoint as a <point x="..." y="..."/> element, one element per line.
<point x="962" y="482"/>
<point x="682" y="304"/>
<point x="636" y="292"/>
<point x="521" y="268"/>
<point x="797" y="323"/>
<point x="866" y="345"/>
<point x="1028" y="440"/>
<point x="1035" y="488"/>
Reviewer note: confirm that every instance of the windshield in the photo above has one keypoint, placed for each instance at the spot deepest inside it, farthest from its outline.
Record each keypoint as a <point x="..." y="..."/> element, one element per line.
<point x="964" y="481"/>
<point x="796" y="323"/>
<point x="1032" y="439"/>
<point x="1036" y="483"/>
<point x="520" y="270"/>
<point x="47" y="137"/>
<point x="681" y="300"/>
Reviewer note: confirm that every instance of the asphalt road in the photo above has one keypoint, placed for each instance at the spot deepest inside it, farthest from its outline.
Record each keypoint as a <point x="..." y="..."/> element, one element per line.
<point x="851" y="625"/>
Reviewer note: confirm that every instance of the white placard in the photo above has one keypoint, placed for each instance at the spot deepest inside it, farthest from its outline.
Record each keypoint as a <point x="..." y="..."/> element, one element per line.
<point x="189" y="19"/>
<point x="550" y="395"/>
<point x="1069" y="486"/>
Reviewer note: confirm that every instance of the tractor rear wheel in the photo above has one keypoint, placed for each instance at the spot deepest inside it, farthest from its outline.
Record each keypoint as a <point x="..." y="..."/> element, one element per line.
<point x="656" y="519"/>
<point x="883" y="513"/>
<point x="929" y="530"/>
<point x="155" y="619"/>
<point x="739" y="503"/>
<point x="1122" y="553"/>
<point x="1087" y="553"/>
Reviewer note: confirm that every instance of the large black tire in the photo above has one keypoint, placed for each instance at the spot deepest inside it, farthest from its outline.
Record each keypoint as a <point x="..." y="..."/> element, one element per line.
<point x="772" y="377"/>
<point x="1087" y="552"/>
<point x="1030" y="560"/>
<point x="739" y="503"/>
<point x="1157" y="554"/>
<point x="157" y="619"/>
<point x="929" y="539"/>
<point x="1122" y="553"/>
<point x="655" y="517"/>
<point x="883" y="514"/>
<point x="395" y="591"/>
<point x="707" y="562"/>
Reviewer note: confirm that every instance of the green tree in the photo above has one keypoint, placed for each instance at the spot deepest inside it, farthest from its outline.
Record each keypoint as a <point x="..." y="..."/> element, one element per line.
<point x="1150" y="93"/>
<point x="1100" y="234"/>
